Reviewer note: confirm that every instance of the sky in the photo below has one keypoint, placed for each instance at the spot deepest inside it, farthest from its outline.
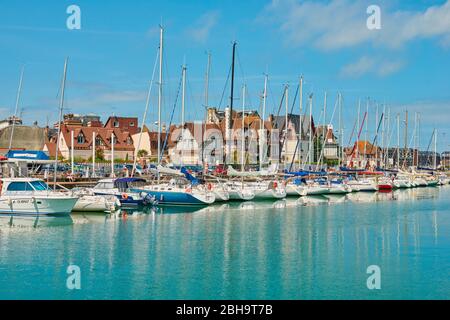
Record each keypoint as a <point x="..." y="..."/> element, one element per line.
<point x="403" y="65"/>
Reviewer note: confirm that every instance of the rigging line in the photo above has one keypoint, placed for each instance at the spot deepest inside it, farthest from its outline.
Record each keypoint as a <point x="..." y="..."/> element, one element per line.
<point x="147" y="103"/>
<point x="225" y="87"/>
<point x="250" y="103"/>
<point x="171" y="119"/>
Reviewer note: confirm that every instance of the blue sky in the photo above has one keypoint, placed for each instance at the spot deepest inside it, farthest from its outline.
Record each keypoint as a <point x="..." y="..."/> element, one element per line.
<point x="405" y="64"/>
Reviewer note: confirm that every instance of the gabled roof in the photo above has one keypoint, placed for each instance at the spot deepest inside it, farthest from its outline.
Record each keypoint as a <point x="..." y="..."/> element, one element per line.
<point x="121" y="137"/>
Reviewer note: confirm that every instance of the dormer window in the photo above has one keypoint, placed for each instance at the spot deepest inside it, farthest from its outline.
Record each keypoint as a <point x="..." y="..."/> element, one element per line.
<point x="131" y="124"/>
<point x="99" y="141"/>
<point x="81" y="139"/>
<point x="116" y="124"/>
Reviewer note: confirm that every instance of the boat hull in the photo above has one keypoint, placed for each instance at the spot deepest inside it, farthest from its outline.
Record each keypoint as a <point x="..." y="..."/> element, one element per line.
<point x="34" y="206"/>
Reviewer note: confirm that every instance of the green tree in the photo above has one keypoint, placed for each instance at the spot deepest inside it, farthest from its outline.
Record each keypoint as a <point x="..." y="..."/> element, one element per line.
<point x="142" y="153"/>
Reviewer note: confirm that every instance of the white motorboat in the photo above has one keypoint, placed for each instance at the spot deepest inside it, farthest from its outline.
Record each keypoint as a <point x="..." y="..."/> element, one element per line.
<point x="89" y="202"/>
<point x="29" y="196"/>
<point x="402" y="182"/>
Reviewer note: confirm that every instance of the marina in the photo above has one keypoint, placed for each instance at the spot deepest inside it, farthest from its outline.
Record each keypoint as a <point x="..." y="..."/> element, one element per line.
<point x="287" y="150"/>
<point x="288" y="249"/>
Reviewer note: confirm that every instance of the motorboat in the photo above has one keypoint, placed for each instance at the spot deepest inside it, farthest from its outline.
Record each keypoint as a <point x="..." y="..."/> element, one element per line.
<point x="29" y="196"/>
<point x="124" y="190"/>
<point x="89" y="202"/>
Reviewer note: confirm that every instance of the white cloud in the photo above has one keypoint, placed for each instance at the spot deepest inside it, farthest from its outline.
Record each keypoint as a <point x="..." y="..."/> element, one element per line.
<point x="201" y="30"/>
<point x="338" y="24"/>
<point x="371" y="65"/>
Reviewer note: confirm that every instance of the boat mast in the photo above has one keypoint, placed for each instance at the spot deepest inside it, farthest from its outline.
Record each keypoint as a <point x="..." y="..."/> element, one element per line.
<point x="325" y="129"/>
<point x="230" y="122"/>
<point x="19" y="91"/>
<point x="300" y="123"/>
<point x="398" y="141"/>
<point x="183" y="99"/>
<point x="435" y="150"/>
<point x="208" y="69"/>
<point x="261" y="129"/>
<point x="366" y="159"/>
<point x="341" y="134"/>
<point x="286" y="125"/>
<point x="358" y="126"/>
<point x="310" y="129"/>
<point x="61" y="105"/>
<point x="244" y="88"/>
<point x="160" y="91"/>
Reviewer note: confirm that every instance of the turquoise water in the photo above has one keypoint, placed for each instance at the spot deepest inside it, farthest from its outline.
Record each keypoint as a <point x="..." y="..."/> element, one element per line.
<point x="312" y="248"/>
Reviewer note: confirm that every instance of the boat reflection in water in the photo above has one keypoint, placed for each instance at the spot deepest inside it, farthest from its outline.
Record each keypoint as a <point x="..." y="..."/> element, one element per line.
<point x="34" y="221"/>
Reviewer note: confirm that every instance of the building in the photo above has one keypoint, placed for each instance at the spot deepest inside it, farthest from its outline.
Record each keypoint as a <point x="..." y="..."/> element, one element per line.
<point x="83" y="142"/>
<point x="362" y="154"/>
<point x="329" y="142"/>
<point x="292" y="144"/>
<point x="445" y="159"/>
<point x="129" y="124"/>
<point x="195" y="143"/>
<point x="24" y="138"/>
<point x="148" y="142"/>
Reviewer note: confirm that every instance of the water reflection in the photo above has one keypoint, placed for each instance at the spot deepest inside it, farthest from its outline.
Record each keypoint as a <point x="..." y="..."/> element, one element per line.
<point x="34" y="221"/>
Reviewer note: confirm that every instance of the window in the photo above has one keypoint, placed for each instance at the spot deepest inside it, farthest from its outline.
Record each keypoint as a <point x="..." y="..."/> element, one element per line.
<point x="80" y="138"/>
<point x="19" y="186"/>
<point x="116" y="124"/>
<point x="131" y="124"/>
<point x="99" y="141"/>
<point x="39" y="185"/>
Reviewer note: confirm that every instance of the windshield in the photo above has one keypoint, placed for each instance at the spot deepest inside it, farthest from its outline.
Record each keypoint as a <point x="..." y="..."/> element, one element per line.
<point x="39" y="185"/>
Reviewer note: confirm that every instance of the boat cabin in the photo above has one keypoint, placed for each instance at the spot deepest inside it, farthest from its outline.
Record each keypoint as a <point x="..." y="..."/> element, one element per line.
<point x="14" y="185"/>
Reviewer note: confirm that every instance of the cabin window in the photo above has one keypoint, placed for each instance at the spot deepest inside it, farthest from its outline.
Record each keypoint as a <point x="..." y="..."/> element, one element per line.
<point x="80" y="139"/>
<point x="19" y="186"/>
<point x="39" y="185"/>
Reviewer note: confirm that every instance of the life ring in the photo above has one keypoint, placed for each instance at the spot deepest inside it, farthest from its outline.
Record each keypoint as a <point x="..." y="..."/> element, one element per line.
<point x="124" y="196"/>
<point x="209" y="186"/>
<point x="188" y="190"/>
<point x="275" y="184"/>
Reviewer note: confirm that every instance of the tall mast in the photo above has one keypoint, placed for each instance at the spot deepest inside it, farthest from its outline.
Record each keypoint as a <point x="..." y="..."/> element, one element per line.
<point x="244" y="88"/>
<point x="183" y="97"/>
<point x="300" y="123"/>
<point x="341" y="134"/>
<point x="286" y="125"/>
<point x="310" y="129"/>
<point x="61" y="105"/>
<point x="414" y="162"/>
<point x="208" y="69"/>
<point x="325" y="126"/>
<point x="366" y="133"/>
<point x="406" y="135"/>
<point x="398" y="141"/>
<point x="19" y="91"/>
<point x="261" y="129"/>
<point x="230" y="122"/>
<point x="358" y="126"/>
<point x="435" y="149"/>
<point x="160" y="91"/>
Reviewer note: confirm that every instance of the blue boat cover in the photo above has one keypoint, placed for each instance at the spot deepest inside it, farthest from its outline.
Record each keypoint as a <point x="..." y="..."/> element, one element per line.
<point x="189" y="176"/>
<point x="27" y="155"/>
